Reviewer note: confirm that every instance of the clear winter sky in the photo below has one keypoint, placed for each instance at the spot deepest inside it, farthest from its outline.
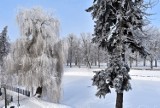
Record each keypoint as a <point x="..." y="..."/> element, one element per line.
<point x="71" y="14"/>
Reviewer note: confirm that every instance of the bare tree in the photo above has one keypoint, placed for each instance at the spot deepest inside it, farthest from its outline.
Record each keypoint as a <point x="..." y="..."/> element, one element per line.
<point x="86" y="44"/>
<point x="72" y="44"/>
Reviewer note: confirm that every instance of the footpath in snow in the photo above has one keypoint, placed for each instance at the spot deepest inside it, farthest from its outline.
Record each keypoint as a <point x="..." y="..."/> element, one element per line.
<point x="29" y="102"/>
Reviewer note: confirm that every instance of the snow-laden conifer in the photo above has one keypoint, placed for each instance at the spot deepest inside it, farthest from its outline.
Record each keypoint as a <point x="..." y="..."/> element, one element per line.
<point x="117" y="23"/>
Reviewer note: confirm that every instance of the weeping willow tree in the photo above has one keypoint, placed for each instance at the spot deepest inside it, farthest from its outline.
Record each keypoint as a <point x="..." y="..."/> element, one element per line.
<point x="36" y="58"/>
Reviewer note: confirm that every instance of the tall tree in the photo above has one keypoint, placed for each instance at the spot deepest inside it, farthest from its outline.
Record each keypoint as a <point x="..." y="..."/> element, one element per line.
<point x="4" y="49"/>
<point x="4" y="44"/>
<point x="117" y="24"/>
<point x="87" y="45"/>
<point x="71" y="47"/>
<point x="37" y="55"/>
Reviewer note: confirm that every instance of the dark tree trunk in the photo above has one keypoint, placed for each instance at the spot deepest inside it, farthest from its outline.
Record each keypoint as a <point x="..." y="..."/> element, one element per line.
<point x="95" y="62"/>
<point x="79" y="64"/>
<point x="67" y="62"/>
<point x="130" y="61"/>
<point x="70" y="64"/>
<point x="119" y="100"/>
<point x="76" y="62"/>
<point x="70" y="59"/>
<point x="151" y="63"/>
<point x="155" y="62"/>
<point x="98" y="57"/>
<point x="144" y="62"/>
<point x="5" y="97"/>
<point x="136" y="59"/>
<point x="88" y="64"/>
<point x="99" y="65"/>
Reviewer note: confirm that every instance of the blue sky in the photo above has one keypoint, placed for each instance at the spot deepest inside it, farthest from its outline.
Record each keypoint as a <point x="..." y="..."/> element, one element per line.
<point x="71" y="14"/>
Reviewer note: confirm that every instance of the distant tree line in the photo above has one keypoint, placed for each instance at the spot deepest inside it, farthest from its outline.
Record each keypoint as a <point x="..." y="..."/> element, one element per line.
<point x="81" y="51"/>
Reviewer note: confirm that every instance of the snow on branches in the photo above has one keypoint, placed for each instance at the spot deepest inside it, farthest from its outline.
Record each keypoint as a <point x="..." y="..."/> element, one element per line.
<point x="37" y="55"/>
<point x="117" y="24"/>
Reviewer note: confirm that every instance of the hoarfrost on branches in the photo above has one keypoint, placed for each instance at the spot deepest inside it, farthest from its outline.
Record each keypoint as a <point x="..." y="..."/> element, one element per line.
<point x="37" y="56"/>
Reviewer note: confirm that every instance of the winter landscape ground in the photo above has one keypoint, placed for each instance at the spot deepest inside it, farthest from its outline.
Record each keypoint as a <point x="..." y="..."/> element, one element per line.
<point x="78" y="92"/>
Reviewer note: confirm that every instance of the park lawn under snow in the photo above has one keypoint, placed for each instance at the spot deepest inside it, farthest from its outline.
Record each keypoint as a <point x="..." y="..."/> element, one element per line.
<point x="78" y="91"/>
<point x="30" y="102"/>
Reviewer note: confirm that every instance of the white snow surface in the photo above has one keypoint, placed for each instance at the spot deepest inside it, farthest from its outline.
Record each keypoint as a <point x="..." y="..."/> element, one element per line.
<point x="78" y="92"/>
<point x="32" y="102"/>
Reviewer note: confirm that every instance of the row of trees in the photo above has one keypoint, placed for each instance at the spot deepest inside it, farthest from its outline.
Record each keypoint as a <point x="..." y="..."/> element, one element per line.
<point x="151" y="42"/>
<point x="81" y="51"/>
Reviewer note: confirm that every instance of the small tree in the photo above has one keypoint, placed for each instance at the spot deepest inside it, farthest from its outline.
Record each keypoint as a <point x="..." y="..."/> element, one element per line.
<point x="118" y="22"/>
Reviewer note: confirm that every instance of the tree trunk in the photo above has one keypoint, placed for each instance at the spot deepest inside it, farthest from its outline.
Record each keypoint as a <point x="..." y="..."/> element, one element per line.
<point x="70" y="64"/>
<point x="76" y="61"/>
<point x="144" y="62"/>
<point x="151" y="63"/>
<point x="98" y="57"/>
<point x="70" y="59"/>
<point x="67" y="62"/>
<point x="119" y="100"/>
<point x="88" y="64"/>
<point x="95" y="61"/>
<point x="99" y="64"/>
<point x="155" y="62"/>
<point x="136" y="59"/>
<point x="130" y="61"/>
<point x="79" y="64"/>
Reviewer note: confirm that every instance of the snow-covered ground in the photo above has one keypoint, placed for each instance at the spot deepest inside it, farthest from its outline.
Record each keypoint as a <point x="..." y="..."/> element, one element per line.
<point x="78" y="92"/>
<point x="32" y="102"/>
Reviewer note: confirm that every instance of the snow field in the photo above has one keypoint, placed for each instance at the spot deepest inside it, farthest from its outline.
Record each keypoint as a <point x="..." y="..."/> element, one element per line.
<point x="78" y="91"/>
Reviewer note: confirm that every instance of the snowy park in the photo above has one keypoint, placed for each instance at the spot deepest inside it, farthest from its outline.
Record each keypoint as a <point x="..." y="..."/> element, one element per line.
<point x="78" y="92"/>
<point x="80" y="54"/>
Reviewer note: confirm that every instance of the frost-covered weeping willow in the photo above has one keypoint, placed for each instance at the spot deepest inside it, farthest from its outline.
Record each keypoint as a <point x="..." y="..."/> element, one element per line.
<point x="37" y="56"/>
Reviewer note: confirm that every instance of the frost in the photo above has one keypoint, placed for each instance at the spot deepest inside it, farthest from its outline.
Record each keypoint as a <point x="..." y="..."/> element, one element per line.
<point x="113" y="29"/>
<point x="37" y="55"/>
<point x="118" y="24"/>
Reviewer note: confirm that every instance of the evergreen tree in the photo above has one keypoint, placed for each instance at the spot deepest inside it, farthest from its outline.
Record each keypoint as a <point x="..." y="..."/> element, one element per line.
<point x="4" y="49"/>
<point x="118" y="23"/>
<point x="4" y="44"/>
